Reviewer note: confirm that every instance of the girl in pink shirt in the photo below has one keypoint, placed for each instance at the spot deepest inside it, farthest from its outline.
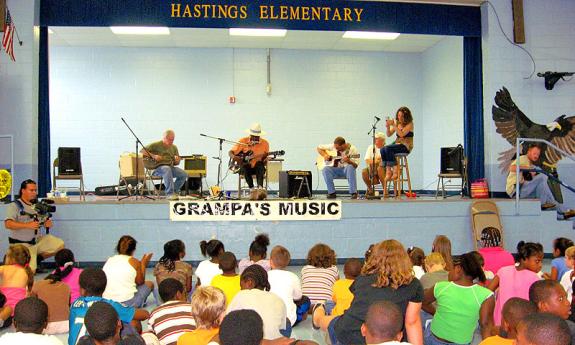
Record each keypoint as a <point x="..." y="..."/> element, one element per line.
<point x="515" y="281"/>
<point x="67" y="273"/>
<point x="492" y="252"/>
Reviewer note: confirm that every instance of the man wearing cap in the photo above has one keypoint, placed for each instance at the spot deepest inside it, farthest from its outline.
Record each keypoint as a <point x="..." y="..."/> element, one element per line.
<point x="366" y="173"/>
<point x="166" y="156"/>
<point x="257" y="166"/>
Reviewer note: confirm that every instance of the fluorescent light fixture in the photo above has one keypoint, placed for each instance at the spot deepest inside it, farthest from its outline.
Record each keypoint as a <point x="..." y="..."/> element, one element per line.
<point x="140" y="30"/>
<point x="50" y="31"/>
<point x="371" y="35"/>
<point x="258" y="32"/>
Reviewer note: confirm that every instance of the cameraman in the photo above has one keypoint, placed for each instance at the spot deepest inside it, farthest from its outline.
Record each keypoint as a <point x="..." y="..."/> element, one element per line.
<point x="24" y="229"/>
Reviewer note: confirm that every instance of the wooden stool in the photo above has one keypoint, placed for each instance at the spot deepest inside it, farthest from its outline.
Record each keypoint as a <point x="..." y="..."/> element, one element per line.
<point x="403" y="175"/>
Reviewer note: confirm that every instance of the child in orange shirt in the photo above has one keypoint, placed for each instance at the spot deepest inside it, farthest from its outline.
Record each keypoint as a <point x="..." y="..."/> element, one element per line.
<point x="208" y="310"/>
<point x="341" y="296"/>
<point x="514" y="310"/>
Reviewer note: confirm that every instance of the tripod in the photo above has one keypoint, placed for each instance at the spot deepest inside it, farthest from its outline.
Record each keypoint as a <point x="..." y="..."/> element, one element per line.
<point x="138" y="142"/>
<point x="373" y="165"/>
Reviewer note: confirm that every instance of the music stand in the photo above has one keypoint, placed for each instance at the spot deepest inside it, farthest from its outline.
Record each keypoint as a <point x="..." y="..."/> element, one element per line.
<point x="138" y="142"/>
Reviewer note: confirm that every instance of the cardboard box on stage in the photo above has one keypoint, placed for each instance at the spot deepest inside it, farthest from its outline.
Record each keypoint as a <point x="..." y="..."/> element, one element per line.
<point x="128" y="165"/>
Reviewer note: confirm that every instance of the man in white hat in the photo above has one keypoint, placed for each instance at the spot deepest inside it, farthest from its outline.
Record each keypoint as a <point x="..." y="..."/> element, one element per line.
<point x="366" y="173"/>
<point x="256" y="166"/>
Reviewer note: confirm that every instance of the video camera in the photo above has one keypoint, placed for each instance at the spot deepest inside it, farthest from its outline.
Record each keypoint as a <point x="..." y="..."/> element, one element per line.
<point x="44" y="209"/>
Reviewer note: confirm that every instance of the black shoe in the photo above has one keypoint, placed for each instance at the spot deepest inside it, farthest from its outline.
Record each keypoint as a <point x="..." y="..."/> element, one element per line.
<point x="354" y="196"/>
<point x="331" y="196"/>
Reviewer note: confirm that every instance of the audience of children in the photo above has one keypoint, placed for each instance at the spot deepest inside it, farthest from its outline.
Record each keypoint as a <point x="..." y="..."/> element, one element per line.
<point x="342" y="296"/>
<point x="256" y="295"/>
<point x="386" y="276"/>
<point x="514" y="281"/>
<point x="208" y="310"/>
<point x="514" y="310"/>
<point x="173" y="318"/>
<point x="172" y="266"/>
<point x="30" y="320"/>
<point x="229" y="280"/>
<point x="56" y="294"/>
<point x="383" y="324"/>
<point x="417" y="257"/>
<point x="102" y="324"/>
<point x="558" y="264"/>
<point x="567" y="279"/>
<point x="210" y="268"/>
<point x="68" y="274"/>
<point x="542" y="329"/>
<point x="461" y="303"/>
<point x="286" y="285"/>
<point x="442" y="245"/>
<point x="17" y="277"/>
<point x="127" y="275"/>
<point x="320" y="273"/>
<point x="492" y="251"/>
<point x="93" y="282"/>
<point x="257" y="254"/>
<point x="550" y="297"/>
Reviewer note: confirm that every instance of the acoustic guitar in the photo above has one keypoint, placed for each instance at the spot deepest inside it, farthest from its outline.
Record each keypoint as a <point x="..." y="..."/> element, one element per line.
<point x="236" y="165"/>
<point x="335" y="157"/>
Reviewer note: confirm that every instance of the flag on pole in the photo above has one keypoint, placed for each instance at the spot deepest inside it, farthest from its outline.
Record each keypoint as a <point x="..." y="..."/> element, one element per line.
<point x="8" y="39"/>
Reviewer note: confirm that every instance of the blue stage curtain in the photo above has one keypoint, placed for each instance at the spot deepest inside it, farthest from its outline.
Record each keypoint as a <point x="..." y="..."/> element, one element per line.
<point x="473" y="107"/>
<point x="44" y="164"/>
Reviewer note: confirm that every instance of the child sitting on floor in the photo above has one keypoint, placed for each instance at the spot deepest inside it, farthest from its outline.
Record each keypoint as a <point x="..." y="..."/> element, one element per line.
<point x="172" y="266"/>
<point x="56" y="294"/>
<point x="567" y="279"/>
<point x="417" y="257"/>
<point x="93" y="282"/>
<point x="286" y="285"/>
<point x="229" y="280"/>
<point x="67" y="273"/>
<point x="17" y="277"/>
<point x="320" y="273"/>
<point x="558" y="265"/>
<point x="514" y="310"/>
<point x="257" y="253"/>
<point x="550" y="297"/>
<point x="208" y="310"/>
<point x="342" y="296"/>
<point x="30" y="319"/>
<point x="542" y="329"/>
<point x="210" y="268"/>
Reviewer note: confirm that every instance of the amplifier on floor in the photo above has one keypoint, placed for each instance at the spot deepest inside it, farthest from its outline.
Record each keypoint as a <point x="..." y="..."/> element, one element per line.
<point x="69" y="161"/>
<point x="295" y="183"/>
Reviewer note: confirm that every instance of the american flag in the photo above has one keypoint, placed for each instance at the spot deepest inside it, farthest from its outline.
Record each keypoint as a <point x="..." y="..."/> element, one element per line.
<point x="8" y="39"/>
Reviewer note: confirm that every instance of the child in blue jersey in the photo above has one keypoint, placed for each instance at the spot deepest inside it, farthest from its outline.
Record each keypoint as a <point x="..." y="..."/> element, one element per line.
<point x="92" y="285"/>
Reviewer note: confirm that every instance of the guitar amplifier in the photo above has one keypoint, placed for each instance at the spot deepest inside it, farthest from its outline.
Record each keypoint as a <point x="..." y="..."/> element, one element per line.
<point x="290" y="182"/>
<point x="195" y="165"/>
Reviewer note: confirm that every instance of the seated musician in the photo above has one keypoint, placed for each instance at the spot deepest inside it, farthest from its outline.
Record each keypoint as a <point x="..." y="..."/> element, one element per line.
<point x="342" y="166"/>
<point x="260" y="148"/>
<point x="402" y="127"/>
<point x="533" y="184"/>
<point x="164" y="158"/>
<point x="369" y="174"/>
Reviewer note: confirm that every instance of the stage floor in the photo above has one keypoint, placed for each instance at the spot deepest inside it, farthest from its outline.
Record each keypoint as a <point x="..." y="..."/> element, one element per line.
<point x="92" y="228"/>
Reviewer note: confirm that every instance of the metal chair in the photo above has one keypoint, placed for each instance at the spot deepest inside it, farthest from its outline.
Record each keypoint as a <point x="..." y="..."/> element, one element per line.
<point x="449" y="177"/>
<point x="273" y="168"/>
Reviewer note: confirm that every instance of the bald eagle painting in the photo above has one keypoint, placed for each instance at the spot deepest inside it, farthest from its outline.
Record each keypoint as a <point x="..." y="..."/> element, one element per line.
<point x="511" y="123"/>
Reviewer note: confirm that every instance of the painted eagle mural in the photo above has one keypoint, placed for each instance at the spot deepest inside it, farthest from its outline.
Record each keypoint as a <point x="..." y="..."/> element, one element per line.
<point x="512" y="123"/>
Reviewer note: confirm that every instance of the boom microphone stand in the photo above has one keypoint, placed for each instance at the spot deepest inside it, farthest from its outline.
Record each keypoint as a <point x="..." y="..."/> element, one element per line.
<point x="219" y="158"/>
<point x="373" y="167"/>
<point x="138" y="142"/>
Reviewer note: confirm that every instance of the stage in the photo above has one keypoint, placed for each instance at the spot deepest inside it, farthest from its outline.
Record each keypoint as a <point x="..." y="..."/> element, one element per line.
<point x="92" y="228"/>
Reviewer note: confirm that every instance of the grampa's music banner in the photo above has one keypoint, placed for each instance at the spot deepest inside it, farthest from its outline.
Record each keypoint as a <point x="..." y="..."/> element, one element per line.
<point x="236" y="210"/>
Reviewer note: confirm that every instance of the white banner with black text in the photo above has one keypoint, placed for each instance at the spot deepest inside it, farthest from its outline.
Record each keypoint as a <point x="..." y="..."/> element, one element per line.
<point x="267" y="210"/>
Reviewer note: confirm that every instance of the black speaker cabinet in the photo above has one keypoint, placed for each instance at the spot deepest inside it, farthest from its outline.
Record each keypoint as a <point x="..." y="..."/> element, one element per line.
<point x="290" y="182"/>
<point x="451" y="160"/>
<point x="69" y="161"/>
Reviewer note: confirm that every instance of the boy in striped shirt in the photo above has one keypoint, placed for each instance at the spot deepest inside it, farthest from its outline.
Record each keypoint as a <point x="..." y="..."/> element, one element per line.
<point x="174" y="317"/>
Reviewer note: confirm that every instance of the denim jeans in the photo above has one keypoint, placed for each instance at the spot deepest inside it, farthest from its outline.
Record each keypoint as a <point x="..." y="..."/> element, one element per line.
<point x="430" y="339"/>
<point x="538" y="188"/>
<point x="348" y="172"/>
<point x="168" y="174"/>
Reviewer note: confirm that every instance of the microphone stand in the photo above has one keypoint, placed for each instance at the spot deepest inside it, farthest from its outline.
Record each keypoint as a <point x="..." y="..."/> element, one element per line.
<point x="138" y="142"/>
<point x="219" y="158"/>
<point x="373" y="167"/>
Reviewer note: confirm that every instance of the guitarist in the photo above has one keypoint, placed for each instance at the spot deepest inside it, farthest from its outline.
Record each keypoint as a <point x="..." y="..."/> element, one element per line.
<point x="257" y="166"/>
<point x="165" y="155"/>
<point x="341" y="167"/>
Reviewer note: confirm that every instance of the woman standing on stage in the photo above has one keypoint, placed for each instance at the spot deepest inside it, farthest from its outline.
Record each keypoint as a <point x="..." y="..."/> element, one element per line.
<point x="402" y="127"/>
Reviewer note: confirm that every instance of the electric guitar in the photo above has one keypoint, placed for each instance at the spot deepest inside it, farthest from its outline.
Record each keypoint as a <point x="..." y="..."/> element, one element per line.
<point x="335" y="157"/>
<point x="249" y="157"/>
<point x="151" y="164"/>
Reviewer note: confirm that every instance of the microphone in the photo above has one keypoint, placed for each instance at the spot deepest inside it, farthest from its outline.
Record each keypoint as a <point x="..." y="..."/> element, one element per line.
<point x="377" y="118"/>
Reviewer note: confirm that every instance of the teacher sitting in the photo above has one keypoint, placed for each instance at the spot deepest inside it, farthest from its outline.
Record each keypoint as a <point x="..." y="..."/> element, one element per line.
<point x="402" y="127"/>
